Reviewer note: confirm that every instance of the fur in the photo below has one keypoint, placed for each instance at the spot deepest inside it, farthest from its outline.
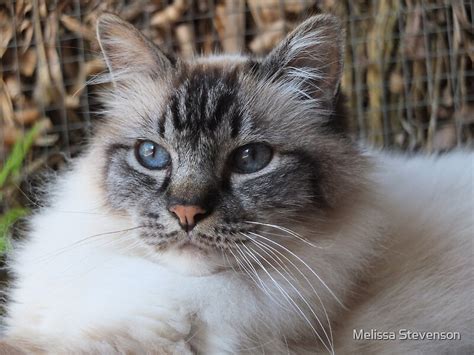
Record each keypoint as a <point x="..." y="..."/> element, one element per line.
<point x="328" y="238"/>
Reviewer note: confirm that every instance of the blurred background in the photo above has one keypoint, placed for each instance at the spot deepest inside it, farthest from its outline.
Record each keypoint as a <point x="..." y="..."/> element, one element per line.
<point x="408" y="73"/>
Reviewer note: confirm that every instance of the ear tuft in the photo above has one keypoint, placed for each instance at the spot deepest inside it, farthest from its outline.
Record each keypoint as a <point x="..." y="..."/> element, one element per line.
<point x="126" y="50"/>
<point x="310" y="58"/>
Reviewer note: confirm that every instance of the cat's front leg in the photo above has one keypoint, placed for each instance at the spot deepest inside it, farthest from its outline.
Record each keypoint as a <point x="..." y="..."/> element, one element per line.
<point x="126" y="309"/>
<point x="152" y="331"/>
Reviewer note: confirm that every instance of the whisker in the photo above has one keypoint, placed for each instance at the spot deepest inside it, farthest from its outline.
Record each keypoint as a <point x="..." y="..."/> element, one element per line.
<point x="253" y="274"/>
<point x="223" y="252"/>
<point x="244" y="269"/>
<point x="264" y="288"/>
<point x="81" y="241"/>
<point x="289" y="231"/>
<point x="305" y="264"/>
<point x="262" y="285"/>
<point x="282" y="291"/>
<point x="286" y="295"/>
<point x="276" y="252"/>
<point x="302" y="298"/>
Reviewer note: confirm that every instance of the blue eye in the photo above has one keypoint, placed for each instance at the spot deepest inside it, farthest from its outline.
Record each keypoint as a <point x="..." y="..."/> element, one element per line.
<point x="251" y="158"/>
<point x="151" y="155"/>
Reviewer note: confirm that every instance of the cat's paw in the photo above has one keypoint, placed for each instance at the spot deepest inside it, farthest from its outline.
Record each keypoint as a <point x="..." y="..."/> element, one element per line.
<point x="148" y="330"/>
<point x="172" y="325"/>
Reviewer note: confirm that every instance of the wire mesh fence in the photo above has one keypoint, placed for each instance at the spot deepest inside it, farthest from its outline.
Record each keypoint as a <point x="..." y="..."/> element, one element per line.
<point x="408" y="74"/>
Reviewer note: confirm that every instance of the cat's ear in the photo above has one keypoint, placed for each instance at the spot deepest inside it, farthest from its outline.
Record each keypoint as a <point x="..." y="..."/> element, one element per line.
<point x="126" y="50"/>
<point x="310" y="58"/>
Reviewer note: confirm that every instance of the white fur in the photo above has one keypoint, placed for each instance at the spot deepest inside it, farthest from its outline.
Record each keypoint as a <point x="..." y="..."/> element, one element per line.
<point x="82" y="288"/>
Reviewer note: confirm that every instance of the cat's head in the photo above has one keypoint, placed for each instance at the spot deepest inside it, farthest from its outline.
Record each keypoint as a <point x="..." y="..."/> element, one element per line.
<point x="204" y="153"/>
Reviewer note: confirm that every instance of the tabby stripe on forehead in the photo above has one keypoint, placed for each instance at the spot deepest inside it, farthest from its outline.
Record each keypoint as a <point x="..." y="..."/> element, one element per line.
<point x="236" y="124"/>
<point x="224" y="103"/>
<point x="161" y="126"/>
<point x="174" y="107"/>
<point x="191" y="105"/>
<point x="204" y="99"/>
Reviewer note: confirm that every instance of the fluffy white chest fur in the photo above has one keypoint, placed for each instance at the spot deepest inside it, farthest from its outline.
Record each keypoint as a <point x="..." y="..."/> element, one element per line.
<point x="82" y="284"/>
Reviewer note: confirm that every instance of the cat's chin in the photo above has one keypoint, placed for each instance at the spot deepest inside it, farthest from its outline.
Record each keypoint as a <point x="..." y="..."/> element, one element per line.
<point x="190" y="259"/>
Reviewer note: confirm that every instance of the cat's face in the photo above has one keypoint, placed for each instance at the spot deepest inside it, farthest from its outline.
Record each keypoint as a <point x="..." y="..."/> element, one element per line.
<point x="204" y="154"/>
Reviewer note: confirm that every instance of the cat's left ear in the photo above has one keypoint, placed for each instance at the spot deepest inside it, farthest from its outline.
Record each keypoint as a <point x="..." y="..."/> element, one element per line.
<point x="127" y="51"/>
<point x="310" y="58"/>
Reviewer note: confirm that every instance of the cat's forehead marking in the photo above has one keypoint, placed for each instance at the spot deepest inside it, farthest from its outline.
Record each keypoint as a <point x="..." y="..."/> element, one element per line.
<point x="204" y="99"/>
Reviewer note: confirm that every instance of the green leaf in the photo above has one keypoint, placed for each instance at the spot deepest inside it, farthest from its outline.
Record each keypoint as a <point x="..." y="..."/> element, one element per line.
<point x="12" y="167"/>
<point x="6" y="221"/>
<point x="15" y="160"/>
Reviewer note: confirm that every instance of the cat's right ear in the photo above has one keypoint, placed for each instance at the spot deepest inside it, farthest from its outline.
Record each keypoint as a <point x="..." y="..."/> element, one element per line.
<point x="127" y="51"/>
<point x="310" y="58"/>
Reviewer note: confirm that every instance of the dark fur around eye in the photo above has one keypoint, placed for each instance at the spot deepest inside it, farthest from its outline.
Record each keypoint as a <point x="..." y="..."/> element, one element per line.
<point x="293" y="186"/>
<point x="126" y="186"/>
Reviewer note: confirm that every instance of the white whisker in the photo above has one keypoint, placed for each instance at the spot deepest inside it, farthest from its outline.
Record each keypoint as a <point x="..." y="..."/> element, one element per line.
<point x="285" y="293"/>
<point x="299" y="294"/>
<point x="82" y="241"/>
<point x="263" y="287"/>
<point x="249" y="273"/>
<point x="292" y="233"/>
<point x="305" y="264"/>
<point x="276" y="252"/>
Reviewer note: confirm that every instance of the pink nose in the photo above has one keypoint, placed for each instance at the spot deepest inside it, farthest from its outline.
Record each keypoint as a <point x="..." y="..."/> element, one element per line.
<point x="187" y="215"/>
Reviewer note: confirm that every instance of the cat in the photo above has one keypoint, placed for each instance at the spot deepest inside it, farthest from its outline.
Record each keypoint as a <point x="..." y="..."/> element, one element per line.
<point x="222" y="208"/>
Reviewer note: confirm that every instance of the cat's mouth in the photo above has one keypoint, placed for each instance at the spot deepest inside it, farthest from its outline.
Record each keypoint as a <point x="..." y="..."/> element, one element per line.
<point x="223" y="239"/>
<point x="207" y="241"/>
<point x="195" y="253"/>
